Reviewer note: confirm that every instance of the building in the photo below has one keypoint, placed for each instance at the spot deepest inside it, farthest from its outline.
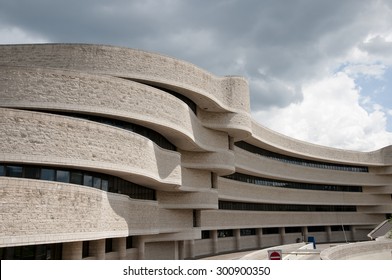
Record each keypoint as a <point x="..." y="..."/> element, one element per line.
<point x="115" y="153"/>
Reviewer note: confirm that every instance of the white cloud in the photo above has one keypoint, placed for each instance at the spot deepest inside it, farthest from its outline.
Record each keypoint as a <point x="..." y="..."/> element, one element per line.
<point x="331" y="115"/>
<point x="15" y="35"/>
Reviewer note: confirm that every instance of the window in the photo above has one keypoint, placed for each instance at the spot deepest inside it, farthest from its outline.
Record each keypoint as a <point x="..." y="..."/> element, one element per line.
<point x="105" y="185"/>
<point x="62" y="176"/>
<point x="100" y="181"/>
<point x="47" y="174"/>
<point x="14" y="171"/>
<point x="247" y="231"/>
<point x="340" y="228"/>
<point x="129" y="242"/>
<point x="205" y="234"/>
<point x="97" y="183"/>
<point x="316" y="229"/>
<point x="270" y="230"/>
<point x="32" y="172"/>
<point x="76" y="178"/>
<point x="85" y="249"/>
<point x="108" y="245"/>
<point x="88" y="180"/>
<point x="225" y="233"/>
<point x="293" y="230"/>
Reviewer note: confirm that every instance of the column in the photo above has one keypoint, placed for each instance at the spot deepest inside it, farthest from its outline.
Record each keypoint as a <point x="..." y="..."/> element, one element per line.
<point x="141" y="248"/>
<point x="353" y="233"/>
<point x="72" y="250"/>
<point x="191" y="248"/>
<point x="260" y="237"/>
<point x="119" y="246"/>
<point x="305" y="234"/>
<point x="282" y="235"/>
<point x="214" y="236"/>
<point x="181" y="249"/>
<point x="329" y="233"/>
<point x="237" y="234"/>
<point x="97" y="249"/>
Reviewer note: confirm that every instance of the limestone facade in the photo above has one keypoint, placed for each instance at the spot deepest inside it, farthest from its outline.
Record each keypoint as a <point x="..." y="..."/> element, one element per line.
<point x="115" y="153"/>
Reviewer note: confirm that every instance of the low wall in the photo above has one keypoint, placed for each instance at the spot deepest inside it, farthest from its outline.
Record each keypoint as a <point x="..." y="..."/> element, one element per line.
<point x="381" y="249"/>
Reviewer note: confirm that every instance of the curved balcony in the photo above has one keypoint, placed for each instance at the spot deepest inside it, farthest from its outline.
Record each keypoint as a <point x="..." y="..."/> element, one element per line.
<point x="68" y="91"/>
<point x="39" y="212"/>
<point x="37" y="138"/>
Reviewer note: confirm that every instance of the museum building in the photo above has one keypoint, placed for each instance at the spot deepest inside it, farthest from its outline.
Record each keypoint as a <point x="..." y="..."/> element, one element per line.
<point x="117" y="153"/>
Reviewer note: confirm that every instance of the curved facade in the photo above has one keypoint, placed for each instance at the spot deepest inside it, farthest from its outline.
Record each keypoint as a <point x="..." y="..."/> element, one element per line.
<point x="114" y="153"/>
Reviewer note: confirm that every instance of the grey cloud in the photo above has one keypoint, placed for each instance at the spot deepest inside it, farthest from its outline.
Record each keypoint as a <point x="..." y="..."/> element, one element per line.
<point x="290" y="40"/>
<point x="378" y="46"/>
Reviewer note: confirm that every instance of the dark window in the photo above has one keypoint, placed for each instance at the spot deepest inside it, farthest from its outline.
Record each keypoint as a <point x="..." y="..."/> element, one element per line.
<point x="32" y="172"/>
<point x="291" y="185"/>
<point x="243" y="206"/>
<point x="225" y="233"/>
<point x="154" y="136"/>
<point x="14" y="171"/>
<point x="293" y="229"/>
<point x="32" y="252"/>
<point x="129" y="242"/>
<point x="97" y="183"/>
<point x="247" y="231"/>
<point x="105" y="185"/>
<point x="108" y="245"/>
<point x="271" y="230"/>
<point x="205" y="234"/>
<point x="340" y="228"/>
<point x="62" y="176"/>
<point x="76" y="178"/>
<point x="47" y="174"/>
<point x="85" y="249"/>
<point x="316" y="229"/>
<point x="292" y="160"/>
<point x="88" y="180"/>
<point x="91" y="179"/>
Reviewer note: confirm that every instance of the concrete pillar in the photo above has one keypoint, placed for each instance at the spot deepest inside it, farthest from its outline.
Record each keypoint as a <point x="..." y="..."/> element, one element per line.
<point x="259" y="237"/>
<point x="181" y="250"/>
<point x="305" y="234"/>
<point x="329" y="233"/>
<point x="237" y="234"/>
<point x="141" y="249"/>
<point x="119" y="246"/>
<point x="282" y="235"/>
<point x="97" y="249"/>
<point x="353" y="233"/>
<point x="72" y="250"/>
<point x="214" y="236"/>
<point x="192" y="249"/>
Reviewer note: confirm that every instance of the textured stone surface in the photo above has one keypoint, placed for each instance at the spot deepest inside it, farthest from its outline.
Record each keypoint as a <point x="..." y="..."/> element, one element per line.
<point x="118" y="83"/>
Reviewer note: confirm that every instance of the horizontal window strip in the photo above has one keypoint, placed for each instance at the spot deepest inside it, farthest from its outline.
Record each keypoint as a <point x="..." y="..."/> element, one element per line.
<point x="292" y="185"/>
<point x="79" y="177"/>
<point x="304" y="162"/>
<point x="154" y="136"/>
<point x="245" y="206"/>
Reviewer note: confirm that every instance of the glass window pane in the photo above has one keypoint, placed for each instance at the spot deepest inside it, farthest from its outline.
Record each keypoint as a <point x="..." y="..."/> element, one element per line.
<point x="97" y="183"/>
<point x="32" y="172"/>
<point x="88" y="180"/>
<point x="76" y="178"/>
<point x="105" y="185"/>
<point x="62" y="176"/>
<point x="14" y="171"/>
<point x="47" y="174"/>
<point x="2" y="170"/>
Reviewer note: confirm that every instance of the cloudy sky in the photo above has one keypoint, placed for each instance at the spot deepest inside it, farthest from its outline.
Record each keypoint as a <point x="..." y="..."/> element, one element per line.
<point x="319" y="71"/>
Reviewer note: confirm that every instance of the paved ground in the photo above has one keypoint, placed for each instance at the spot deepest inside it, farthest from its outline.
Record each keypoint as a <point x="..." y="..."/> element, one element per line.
<point x="297" y="251"/>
